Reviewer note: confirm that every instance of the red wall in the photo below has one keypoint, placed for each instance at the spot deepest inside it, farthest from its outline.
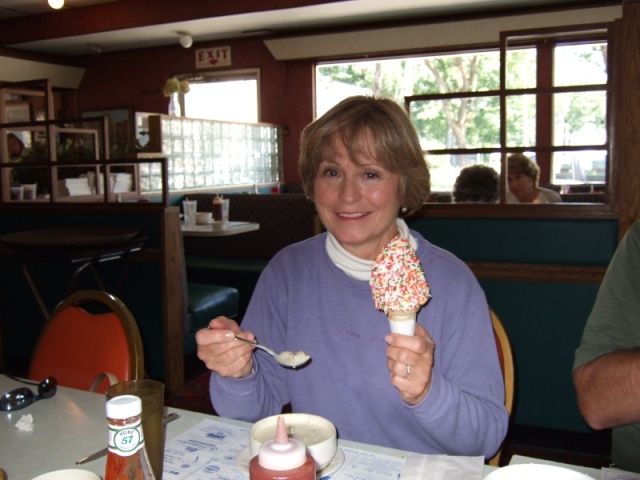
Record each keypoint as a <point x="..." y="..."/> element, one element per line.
<point x="135" y="79"/>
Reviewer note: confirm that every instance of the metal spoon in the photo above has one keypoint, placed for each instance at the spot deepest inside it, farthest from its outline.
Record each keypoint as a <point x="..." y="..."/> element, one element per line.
<point x="286" y="358"/>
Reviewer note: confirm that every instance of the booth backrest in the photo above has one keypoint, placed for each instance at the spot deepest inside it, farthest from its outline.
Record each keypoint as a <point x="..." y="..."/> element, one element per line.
<point x="544" y="316"/>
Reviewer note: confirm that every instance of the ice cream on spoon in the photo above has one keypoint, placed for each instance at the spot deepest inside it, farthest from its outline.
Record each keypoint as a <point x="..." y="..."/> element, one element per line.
<point x="398" y="285"/>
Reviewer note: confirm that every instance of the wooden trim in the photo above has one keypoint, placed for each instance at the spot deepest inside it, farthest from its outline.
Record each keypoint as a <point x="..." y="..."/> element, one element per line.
<point x="525" y="272"/>
<point x="174" y="301"/>
<point x="589" y="211"/>
<point x="627" y="98"/>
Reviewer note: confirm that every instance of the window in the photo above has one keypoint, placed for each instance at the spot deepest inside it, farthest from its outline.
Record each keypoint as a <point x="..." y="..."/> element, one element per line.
<point x="220" y="143"/>
<point x="229" y="96"/>
<point x="543" y="93"/>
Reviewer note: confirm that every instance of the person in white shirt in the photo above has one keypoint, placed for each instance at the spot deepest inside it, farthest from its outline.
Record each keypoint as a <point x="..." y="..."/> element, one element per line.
<point x="522" y="179"/>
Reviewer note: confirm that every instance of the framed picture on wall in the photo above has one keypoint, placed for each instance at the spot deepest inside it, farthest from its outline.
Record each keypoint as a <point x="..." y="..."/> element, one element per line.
<point x="120" y="121"/>
<point x="17" y="112"/>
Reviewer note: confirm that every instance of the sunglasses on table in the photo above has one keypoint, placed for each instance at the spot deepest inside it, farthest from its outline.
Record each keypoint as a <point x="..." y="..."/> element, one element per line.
<point x="23" y="397"/>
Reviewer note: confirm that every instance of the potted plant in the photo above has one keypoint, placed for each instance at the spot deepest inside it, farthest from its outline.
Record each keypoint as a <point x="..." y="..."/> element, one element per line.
<point x="32" y="179"/>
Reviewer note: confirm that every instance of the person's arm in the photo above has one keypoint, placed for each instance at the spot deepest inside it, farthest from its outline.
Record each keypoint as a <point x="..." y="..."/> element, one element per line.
<point x="608" y="389"/>
<point x="606" y="371"/>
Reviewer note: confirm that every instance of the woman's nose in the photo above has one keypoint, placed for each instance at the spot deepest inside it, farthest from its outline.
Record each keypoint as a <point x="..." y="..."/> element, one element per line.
<point x="349" y="190"/>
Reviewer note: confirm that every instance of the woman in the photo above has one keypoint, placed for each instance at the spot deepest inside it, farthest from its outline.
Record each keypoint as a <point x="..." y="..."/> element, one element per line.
<point x="522" y="178"/>
<point x="439" y="391"/>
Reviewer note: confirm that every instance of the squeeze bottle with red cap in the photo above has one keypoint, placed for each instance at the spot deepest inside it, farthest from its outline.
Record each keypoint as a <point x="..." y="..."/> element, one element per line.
<point x="218" y="207"/>
<point x="283" y="458"/>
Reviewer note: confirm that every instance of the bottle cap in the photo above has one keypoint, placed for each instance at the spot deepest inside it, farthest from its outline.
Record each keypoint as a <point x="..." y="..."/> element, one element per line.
<point x="124" y="406"/>
<point x="282" y="453"/>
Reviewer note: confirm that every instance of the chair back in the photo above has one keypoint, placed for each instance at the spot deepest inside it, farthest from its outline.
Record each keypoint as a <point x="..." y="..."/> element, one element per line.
<point x="505" y="355"/>
<point x="89" y="351"/>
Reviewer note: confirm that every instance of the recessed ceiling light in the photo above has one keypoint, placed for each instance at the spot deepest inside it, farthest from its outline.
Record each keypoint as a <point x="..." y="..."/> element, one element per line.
<point x="57" y="4"/>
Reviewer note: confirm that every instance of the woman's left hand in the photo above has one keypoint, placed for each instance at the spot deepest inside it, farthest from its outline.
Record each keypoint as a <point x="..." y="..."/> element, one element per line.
<point x="410" y="362"/>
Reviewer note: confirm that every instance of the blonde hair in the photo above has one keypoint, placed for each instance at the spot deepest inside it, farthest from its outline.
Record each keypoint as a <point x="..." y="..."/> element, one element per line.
<point x="396" y="145"/>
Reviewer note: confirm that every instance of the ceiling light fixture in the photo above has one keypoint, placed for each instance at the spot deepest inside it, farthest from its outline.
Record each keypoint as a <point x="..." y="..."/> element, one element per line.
<point x="56" y="4"/>
<point x="186" y="40"/>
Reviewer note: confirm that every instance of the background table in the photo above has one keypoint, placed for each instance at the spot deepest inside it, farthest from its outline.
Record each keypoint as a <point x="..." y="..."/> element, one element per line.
<point x="83" y="247"/>
<point x="216" y="230"/>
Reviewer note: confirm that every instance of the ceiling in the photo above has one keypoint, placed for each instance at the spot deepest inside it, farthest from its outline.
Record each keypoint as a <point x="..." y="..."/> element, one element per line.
<point x="67" y="31"/>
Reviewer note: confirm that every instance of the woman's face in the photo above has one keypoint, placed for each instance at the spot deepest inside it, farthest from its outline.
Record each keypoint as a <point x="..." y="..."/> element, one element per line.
<point x="357" y="203"/>
<point x="520" y="185"/>
<point x="15" y="148"/>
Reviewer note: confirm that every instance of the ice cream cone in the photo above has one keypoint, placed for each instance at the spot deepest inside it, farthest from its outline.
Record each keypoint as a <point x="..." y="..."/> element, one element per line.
<point x="402" y="322"/>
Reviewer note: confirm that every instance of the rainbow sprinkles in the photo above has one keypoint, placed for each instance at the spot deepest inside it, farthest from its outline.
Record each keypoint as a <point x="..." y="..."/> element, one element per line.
<point x="397" y="279"/>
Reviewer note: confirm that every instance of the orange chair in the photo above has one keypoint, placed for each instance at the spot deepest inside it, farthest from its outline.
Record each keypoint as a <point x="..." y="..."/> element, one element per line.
<point x="89" y="351"/>
<point x="505" y="355"/>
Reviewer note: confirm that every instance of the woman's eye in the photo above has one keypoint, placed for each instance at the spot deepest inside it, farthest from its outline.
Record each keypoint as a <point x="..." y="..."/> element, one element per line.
<point x="371" y="175"/>
<point x="329" y="172"/>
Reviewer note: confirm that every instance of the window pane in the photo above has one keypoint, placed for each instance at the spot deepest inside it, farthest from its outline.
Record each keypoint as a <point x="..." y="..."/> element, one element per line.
<point x="521" y="120"/>
<point x="445" y="168"/>
<point x="579" y="118"/>
<point x="521" y="68"/>
<point x="588" y="166"/>
<point x="229" y="100"/>
<point x="468" y="72"/>
<point x="580" y="64"/>
<point x="472" y="122"/>
<point x="398" y="78"/>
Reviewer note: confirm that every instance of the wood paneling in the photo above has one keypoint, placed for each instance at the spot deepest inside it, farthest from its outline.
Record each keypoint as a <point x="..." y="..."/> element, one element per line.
<point x="627" y="116"/>
<point x="538" y="273"/>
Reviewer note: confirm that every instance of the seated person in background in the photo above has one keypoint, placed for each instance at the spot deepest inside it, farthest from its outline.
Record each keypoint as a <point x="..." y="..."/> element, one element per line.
<point x="606" y="371"/>
<point x="439" y="391"/>
<point x="522" y="178"/>
<point x="15" y="146"/>
<point x="477" y="183"/>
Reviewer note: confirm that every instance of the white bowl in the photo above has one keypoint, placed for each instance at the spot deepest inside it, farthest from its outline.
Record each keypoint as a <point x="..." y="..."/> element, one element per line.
<point x="202" y="218"/>
<point x="70" y="474"/>
<point x="317" y="433"/>
<point x="532" y="471"/>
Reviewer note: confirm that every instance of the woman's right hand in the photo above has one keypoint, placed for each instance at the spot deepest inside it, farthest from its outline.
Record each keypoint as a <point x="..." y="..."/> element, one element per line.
<point x="221" y="352"/>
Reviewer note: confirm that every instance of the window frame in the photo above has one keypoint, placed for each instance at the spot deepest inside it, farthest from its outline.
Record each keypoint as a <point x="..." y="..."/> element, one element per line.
<point x="604" y="210"/>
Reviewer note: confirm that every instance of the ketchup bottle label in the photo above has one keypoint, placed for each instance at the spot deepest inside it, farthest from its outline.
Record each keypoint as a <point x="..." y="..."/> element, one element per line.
<point x="126" y="441"/>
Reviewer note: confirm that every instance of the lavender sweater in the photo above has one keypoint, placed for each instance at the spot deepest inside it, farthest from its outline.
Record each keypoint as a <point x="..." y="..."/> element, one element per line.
<point x="304" y="302"/>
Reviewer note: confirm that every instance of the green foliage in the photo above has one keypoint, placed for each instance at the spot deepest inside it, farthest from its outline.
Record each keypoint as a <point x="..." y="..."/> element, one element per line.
<point x="473" y="122"/>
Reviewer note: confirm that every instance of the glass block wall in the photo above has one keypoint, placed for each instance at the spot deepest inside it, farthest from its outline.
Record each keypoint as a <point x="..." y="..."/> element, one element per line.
<point x="210" y="153"/>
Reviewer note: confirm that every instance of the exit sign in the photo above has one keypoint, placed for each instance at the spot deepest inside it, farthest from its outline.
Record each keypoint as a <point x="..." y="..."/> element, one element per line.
<point x="213" y="57"/>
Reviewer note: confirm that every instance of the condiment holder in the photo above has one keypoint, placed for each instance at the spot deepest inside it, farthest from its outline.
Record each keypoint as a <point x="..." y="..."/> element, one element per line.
<point x="203" y="218"/>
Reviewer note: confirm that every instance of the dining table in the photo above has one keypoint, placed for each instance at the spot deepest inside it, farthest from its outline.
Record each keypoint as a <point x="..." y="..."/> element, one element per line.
<point x="219" y="229"/>
<point x="84" y="247"/>
<point x="72" y="424"/>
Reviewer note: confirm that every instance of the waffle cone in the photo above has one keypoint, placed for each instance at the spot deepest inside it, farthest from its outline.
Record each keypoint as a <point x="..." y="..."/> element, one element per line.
<point x="402" y="322"/>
